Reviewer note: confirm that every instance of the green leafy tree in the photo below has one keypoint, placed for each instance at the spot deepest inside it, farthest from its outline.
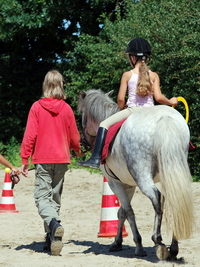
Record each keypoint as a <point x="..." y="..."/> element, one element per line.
<point x="34" y="37"/>
<point x="86" y="41"/>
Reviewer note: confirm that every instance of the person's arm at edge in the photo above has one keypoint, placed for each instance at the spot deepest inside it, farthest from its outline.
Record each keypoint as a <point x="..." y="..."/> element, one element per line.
<point x="7" y="164"/>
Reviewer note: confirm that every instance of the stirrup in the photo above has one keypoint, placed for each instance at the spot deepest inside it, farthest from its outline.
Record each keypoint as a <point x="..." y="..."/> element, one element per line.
<point x="94" y="164"/>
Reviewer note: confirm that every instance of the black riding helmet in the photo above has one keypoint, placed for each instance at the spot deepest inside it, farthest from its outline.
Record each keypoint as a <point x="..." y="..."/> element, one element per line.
<point x="138" y="47"/>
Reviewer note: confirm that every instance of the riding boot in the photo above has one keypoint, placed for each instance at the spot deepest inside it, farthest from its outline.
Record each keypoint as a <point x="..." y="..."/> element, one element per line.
<point x="94" y="161"/>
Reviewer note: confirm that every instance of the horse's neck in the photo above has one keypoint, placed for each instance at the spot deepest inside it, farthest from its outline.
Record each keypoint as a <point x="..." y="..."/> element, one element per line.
<point x="96" y="127"/>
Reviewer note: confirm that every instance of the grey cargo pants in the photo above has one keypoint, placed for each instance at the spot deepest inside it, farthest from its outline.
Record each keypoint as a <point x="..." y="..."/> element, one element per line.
<point x="49" y="180"/>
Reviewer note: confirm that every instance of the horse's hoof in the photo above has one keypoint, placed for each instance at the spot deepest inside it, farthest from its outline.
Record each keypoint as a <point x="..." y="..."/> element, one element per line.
<point x="162" y="252"/>
<point x="115" y="248"/>
<point x="140" y="253"/>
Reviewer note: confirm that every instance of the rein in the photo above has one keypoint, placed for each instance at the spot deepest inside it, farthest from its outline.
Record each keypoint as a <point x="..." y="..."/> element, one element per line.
<point x="85" y="143"/>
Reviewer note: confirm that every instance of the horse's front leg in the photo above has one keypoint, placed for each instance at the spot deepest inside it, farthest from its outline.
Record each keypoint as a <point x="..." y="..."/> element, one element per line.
<point x="126" y="212"/>
<point x="117" y="245"/>
<point x="139" y="250"/>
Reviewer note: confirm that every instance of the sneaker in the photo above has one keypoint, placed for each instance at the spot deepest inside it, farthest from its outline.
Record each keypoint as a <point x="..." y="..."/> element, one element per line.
<point x="57" y="232"/>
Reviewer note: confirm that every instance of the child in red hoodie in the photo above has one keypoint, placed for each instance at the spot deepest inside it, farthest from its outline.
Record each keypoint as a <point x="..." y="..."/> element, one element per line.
<point x="51" y="132"/>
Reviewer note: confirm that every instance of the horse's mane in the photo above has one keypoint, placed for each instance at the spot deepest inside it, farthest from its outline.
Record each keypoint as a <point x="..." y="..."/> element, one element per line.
<point x="96" y="105"/>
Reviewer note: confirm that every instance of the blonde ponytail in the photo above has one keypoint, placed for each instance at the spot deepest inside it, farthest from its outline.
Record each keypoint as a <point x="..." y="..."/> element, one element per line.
<point x="144" y="86"/>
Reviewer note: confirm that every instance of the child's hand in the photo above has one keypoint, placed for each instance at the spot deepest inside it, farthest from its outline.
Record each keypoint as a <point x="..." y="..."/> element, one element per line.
<point x="25" y="170"/>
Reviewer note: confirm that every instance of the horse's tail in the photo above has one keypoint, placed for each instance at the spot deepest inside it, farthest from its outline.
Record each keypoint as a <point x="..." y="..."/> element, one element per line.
<point x="170" y="146"/>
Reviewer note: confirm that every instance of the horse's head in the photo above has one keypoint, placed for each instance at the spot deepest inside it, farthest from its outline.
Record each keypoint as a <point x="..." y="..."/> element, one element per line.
<point x="94" y="106"/>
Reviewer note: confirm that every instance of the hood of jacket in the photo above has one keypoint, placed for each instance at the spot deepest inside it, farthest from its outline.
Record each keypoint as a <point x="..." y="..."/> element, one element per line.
<point x="52" y="105"/>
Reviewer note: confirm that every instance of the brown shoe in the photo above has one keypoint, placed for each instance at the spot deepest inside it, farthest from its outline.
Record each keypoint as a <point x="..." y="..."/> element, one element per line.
<point x="57" y="232"/>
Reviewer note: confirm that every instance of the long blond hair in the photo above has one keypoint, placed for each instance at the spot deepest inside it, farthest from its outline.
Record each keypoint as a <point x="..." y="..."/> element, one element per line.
<point x="53" y="85"/>
<point x="144" y="85"/>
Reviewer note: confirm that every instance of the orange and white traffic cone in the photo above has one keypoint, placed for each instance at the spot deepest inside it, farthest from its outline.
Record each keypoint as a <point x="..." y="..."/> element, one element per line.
<point x="7" y="203"/>
<point x="109" y="220"/>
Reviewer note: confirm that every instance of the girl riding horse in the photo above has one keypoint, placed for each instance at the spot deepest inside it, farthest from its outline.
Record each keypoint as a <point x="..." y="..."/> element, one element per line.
<point x="143" y="85"/>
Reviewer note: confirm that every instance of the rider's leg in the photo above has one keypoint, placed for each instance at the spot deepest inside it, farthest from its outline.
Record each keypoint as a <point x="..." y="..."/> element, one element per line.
<point x="95" y="160"/>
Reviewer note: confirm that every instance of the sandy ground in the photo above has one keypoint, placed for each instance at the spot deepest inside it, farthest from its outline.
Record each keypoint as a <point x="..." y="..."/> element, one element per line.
<point x="22" y="234"/>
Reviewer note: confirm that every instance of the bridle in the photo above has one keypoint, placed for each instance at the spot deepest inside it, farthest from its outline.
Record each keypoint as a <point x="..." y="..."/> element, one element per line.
<point x="84" y="142"/>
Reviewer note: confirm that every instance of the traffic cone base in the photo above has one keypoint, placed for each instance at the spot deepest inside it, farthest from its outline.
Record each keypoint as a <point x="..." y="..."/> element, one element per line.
<point x="8" y="208"/>
<point x="109" y="220"/>
<point x="109" y="229"/>
<point x="7" y="200"/>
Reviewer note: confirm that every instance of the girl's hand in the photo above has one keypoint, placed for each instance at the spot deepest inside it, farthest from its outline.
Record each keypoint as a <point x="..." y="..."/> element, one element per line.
<point x="174" y="101"/>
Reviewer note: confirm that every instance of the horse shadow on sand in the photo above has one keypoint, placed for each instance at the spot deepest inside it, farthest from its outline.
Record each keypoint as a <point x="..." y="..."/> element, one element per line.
<point x="100" y="249"/>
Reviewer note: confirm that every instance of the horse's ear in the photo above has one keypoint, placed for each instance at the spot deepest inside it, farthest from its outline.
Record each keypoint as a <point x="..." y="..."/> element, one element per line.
<point x="83" y="94"/>
<point x="109" y="93"/>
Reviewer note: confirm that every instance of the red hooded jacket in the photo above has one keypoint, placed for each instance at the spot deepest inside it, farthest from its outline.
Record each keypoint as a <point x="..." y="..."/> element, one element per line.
<point x="51" y="131"/>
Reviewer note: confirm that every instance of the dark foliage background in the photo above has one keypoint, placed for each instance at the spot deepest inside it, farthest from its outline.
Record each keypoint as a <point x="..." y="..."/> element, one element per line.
<point x="85" y="40"/>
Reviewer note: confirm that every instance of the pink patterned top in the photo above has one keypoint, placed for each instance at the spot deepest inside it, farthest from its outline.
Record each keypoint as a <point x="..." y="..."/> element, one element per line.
<point x="134" y="100"/>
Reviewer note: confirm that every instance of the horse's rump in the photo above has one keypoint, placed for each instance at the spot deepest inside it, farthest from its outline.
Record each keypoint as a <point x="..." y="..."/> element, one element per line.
<point x="133" y="146"/>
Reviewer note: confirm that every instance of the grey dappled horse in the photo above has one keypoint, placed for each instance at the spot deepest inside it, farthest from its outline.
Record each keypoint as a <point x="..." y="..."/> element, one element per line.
<point x="151" y="146"/>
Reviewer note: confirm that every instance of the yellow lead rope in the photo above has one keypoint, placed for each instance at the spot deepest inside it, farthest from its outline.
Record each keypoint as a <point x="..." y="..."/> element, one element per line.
<point x="182" y="99"/>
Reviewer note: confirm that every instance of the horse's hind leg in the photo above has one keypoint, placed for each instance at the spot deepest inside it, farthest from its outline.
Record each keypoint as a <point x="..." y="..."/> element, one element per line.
<point x="173" y="249"/>
<point x="162" y="253"/>
<point x="151" y="191"/>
